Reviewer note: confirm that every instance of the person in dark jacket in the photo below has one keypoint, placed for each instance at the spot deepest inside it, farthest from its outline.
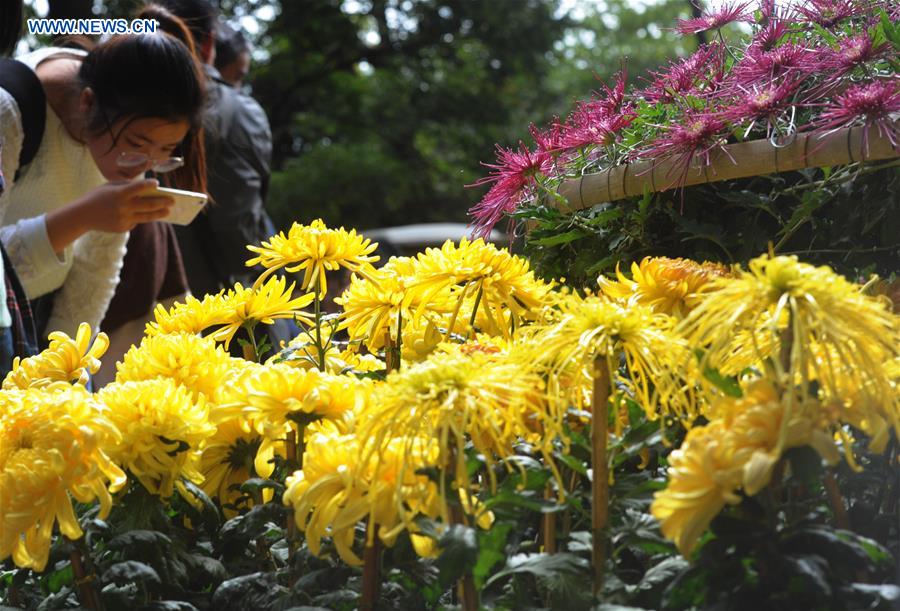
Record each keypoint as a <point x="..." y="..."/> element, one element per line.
<point x="238" y="152"/>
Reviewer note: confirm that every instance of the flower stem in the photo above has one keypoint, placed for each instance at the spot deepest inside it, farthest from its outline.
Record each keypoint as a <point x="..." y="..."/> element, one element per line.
<point x="475" y="309"/>
<point x="600" y="467"/>
<point x="317" y="305"/>
<point x="462" y="298"/>
<point x="251" y="351"/>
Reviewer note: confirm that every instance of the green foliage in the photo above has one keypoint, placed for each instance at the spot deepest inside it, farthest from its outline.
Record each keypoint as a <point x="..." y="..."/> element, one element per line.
<point x="849" y="219"/>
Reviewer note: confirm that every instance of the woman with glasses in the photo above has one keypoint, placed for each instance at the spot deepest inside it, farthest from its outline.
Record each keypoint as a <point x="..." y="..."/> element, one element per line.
<point x="131" y="105"/>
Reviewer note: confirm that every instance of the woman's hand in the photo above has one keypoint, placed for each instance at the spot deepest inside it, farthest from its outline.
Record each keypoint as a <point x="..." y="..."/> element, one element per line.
<point x="114" y="207"/>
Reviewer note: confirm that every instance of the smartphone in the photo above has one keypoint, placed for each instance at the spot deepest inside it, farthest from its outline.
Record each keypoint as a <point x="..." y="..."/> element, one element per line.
<point x="188" y="204"/>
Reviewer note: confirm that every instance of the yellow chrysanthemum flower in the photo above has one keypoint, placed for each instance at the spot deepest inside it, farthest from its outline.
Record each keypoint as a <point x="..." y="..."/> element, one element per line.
<point x="195" y="362"/>
<point x="670" y="286"/>
<point x="226" y="312"/>
<point x="738" y="449"/>
<point x="383" y="302"/>
<point x="51" y="448"/>
<point x="163" y="428"/>
<point x="498" y="281"/>
<point x="263" y="303"/>
<point x="229" y="458"/>
<point x="455" y="399"/>
<point x="65" y="360"/>
<point x="335" y="491"/>
<point x="279" y="398"/>
<point x="302" y="353"/>
<point x="193" y="316"/>
<point x="582" y="329"/>
<point x="811" y="307"/>
<point x="314" y="249"/>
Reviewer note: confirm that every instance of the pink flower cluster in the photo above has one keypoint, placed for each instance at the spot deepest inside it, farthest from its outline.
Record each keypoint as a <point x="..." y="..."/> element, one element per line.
<point x="791" y="65"/>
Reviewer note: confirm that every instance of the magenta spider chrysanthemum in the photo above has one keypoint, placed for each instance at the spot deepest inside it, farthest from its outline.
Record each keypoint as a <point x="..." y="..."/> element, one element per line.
<point x="713" y="20"/>
<point x="700" y="133"/>
<point x="828" y="13"/>
<point x="760" y="65"/>
<point x="763" y="101"/>
<point x="875" y="104"/>
<point x="699" y="71"/>
<point x="851" y="52"/>
<point x="548" y="140"/>
<point x="592" y="123"/>
<point x="514" y="177"/>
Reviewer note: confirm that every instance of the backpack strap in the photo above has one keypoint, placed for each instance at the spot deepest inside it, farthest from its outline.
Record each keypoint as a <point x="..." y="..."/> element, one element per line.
<point x="23" y="85"/>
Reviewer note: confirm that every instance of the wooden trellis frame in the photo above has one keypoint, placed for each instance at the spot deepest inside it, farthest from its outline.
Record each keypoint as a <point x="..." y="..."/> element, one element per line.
<point x="742" y="160"/>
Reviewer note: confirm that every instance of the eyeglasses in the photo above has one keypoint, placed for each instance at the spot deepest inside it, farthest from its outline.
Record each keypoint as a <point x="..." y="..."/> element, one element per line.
<point x="130" y="161"/>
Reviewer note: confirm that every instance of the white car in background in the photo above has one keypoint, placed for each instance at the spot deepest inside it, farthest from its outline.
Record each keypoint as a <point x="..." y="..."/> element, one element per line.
<point x="408" y="240"/>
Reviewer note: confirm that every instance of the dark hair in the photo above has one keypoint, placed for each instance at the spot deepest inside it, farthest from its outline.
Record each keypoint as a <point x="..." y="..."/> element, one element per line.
<point x="230" y="44"/>
<point x="151" y="76"/>
<point x="10" y="25"/>
<point x="199" y="16"/>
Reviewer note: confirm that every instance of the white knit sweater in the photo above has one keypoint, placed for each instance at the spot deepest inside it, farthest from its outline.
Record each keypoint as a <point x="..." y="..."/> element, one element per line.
<point x="62" y="171"/>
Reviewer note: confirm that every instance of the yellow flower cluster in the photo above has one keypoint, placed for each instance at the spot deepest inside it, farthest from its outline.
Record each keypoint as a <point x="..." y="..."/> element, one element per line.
<point x="65" y="360"/>
<point x="807" y="323"/>
<point x="52" y="443"/>
<point x="190" y="360"/>
<point x="335" y="490"/>
<point x="229" y="311"/>
<point x="314" y="249"/>
<point x="499" y="281"/>
<point x="669" y="286"/>
<point x="162" y="427"/>
<point x="579" y="330"/>
<point x="737" y="450"/>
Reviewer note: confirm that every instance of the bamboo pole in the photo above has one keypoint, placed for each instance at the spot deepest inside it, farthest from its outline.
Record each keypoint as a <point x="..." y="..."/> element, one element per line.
<point x="600" y="469"/>
<point x="742" y="160"/>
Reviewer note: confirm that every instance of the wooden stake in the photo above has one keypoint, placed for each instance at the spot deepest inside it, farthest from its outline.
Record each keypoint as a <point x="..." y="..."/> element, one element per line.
<point x="371" y="579"/>
<point x="836" y="500"/>
<point x="742" y="160"/>
<point x="87" y="594"/>
<point x="599" y="465"/>
<point x="372" y="555"/>
<point x="549" y="526"/>
<point x="465" y="589"/>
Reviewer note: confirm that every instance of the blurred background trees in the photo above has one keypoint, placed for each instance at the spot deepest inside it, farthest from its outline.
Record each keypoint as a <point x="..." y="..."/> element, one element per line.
<point x="382" y="110"/>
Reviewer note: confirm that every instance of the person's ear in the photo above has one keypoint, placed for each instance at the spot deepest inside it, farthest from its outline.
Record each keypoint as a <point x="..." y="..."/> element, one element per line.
<point x="86" y="101"/>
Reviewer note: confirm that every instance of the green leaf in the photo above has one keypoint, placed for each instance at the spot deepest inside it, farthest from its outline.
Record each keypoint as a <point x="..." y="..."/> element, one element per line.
<point x="561" y="238"/>
<point x="726" y="384"/>
<point x="55" y="581"/>
<point x="491" y="546"/>
<point x="459" y="551"/>
<point x="543" y="566"/>
<point x="130" y="571"/>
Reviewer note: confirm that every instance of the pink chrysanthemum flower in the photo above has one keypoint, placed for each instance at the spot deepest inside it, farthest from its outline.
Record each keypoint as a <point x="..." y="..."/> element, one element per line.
<point x="828" y="13"/>
<point x="514" y="178"/>
<point x="697" y="137"/>
<point x="759" y="64"/>
<point x="713" y="20"/>
<point x="698" y="73"/>
<point x="851" y="52"/>
<point x="549" y="139"/>
<point x="875" y="104"/>
<point x="763" y="101"/>
<point x="594" y="124"/>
